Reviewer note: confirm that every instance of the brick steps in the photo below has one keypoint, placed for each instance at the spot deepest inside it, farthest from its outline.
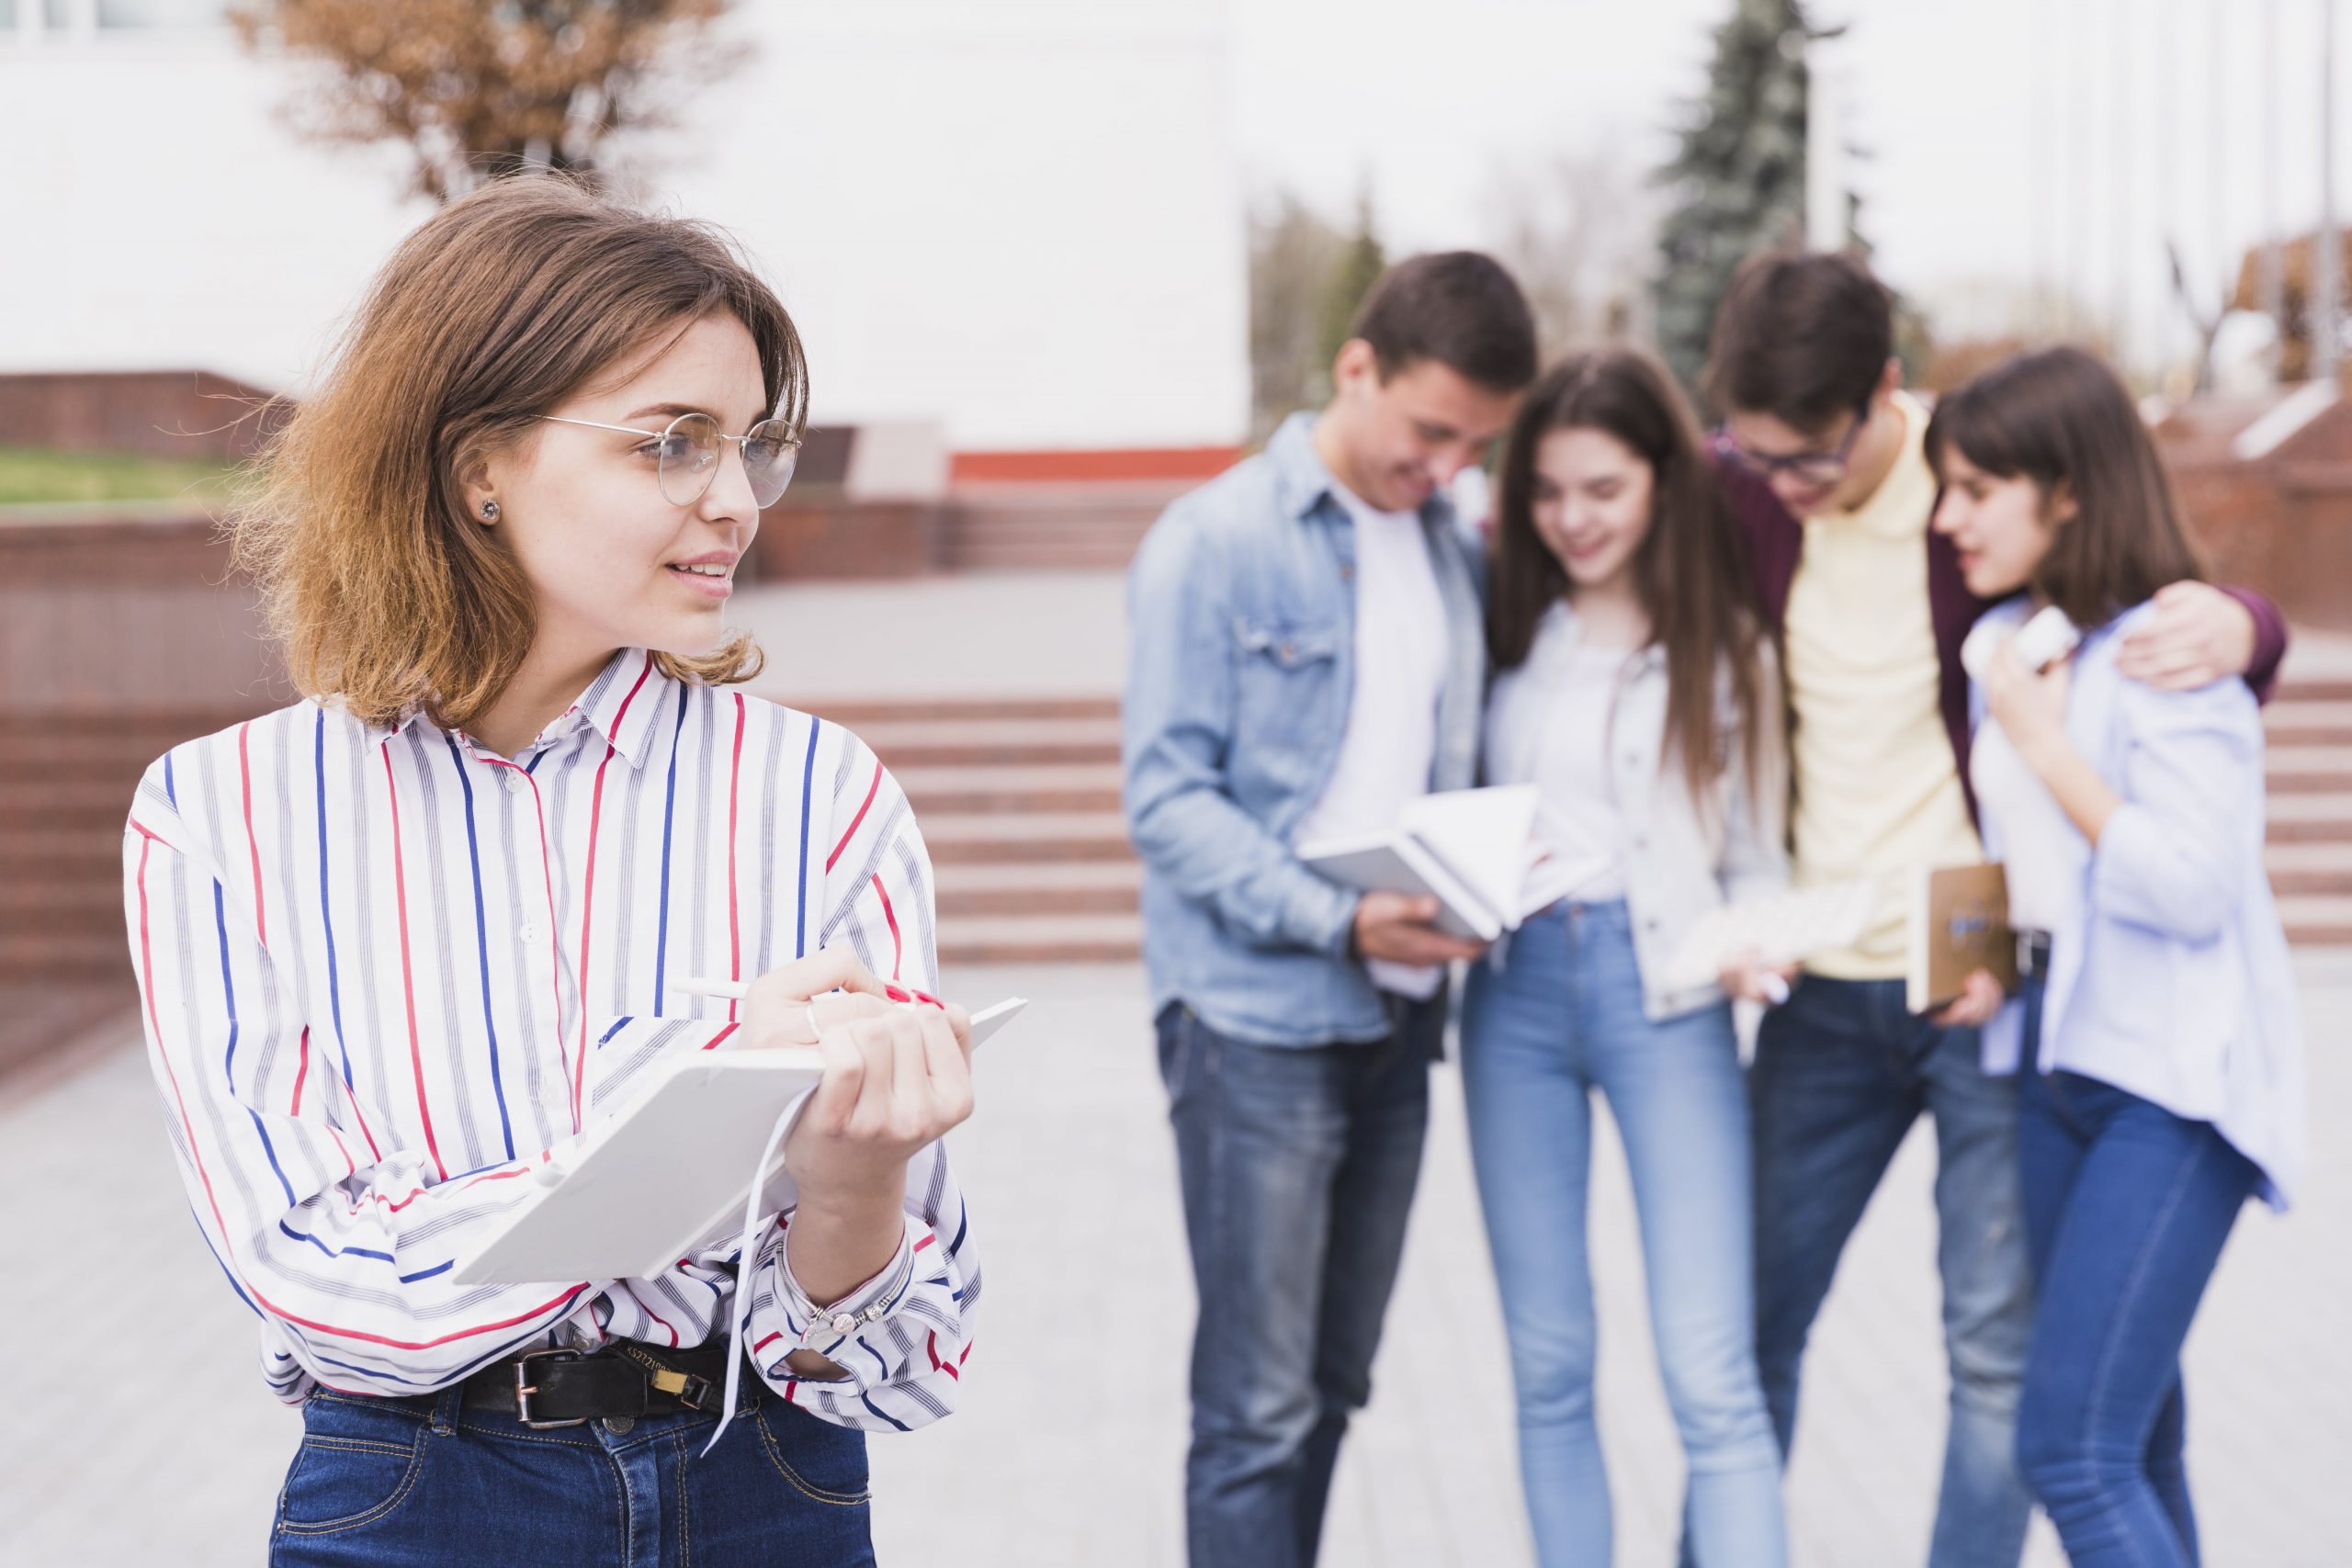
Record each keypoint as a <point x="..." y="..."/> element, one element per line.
<point x="1072" y="527"/>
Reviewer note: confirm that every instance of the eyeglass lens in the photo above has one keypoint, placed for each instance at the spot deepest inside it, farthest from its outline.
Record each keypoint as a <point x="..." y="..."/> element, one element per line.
<point x="689" y="458"/>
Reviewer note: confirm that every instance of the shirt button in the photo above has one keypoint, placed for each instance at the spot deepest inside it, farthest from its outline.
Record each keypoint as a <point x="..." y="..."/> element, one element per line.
<point x="619" y="1426"/>
<point x="513" y="782"/>
<point x="528" y="932"/>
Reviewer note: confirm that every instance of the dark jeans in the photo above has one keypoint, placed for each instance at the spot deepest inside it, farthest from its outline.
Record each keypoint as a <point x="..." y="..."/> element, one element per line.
<point x="1298" y="1167"/>
<point x="2127" y="1207"/>
<point x="391" y="1482"/>
<point x="1841" y="1072"/>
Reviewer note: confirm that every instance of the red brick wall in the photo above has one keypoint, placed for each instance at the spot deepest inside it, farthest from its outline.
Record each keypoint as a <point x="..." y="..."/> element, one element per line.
<point x="157" y="413"/>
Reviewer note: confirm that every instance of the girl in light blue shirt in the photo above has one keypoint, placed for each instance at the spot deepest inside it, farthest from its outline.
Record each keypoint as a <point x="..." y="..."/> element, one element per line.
<point x="2156" y="1027"/>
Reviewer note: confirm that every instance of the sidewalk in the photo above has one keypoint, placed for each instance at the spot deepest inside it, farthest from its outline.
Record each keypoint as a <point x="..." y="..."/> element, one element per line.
<point x="1068" y="1453"/>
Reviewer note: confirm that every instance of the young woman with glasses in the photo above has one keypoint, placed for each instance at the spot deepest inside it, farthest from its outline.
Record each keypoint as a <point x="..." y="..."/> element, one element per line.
<point x="2156" y="1033"/>
<point x="1638" y="693"/>
<point x="397" y="940"/>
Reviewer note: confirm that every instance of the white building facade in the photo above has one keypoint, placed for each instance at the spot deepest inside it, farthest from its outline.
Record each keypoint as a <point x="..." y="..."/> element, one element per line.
<point x="1022" y="220"/>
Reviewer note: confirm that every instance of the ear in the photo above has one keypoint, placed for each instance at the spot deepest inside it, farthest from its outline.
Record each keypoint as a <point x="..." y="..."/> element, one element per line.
<point x="2060" y="508"/>
<point x="478" y="484"/>
<point x="1890" y="380"/>
<point x="1354" y="365"/>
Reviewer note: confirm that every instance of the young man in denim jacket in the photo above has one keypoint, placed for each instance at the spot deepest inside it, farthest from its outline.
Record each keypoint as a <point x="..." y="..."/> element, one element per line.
<point x="1307" y="654"/>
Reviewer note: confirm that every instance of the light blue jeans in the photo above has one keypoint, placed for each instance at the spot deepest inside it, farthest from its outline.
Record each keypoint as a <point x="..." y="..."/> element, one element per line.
<point x="1562" y="1018"/>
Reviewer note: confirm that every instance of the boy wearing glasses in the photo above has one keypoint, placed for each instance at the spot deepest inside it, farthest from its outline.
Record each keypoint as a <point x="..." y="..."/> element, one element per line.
<point x="1823" y="454"/>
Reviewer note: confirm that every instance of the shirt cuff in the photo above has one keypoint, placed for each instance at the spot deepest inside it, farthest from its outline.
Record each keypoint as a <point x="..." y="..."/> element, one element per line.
<point x="820" y="1326"/>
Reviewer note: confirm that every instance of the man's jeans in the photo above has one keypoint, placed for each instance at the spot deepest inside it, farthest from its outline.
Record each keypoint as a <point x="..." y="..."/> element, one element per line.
<point x="1298" y="1167"/>
<point x="2127" y="1207"/>
<point x="1841" y="1072"/>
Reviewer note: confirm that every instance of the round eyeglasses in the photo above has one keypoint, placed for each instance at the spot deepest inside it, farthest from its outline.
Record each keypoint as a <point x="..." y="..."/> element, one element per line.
<point x="686" y="455"/>
<point x="1806" y="467"/>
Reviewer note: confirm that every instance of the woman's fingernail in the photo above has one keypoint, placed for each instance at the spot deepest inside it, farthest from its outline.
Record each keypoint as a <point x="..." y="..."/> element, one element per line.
<point x="928" y="999"/>
<point x="897" y="995"/>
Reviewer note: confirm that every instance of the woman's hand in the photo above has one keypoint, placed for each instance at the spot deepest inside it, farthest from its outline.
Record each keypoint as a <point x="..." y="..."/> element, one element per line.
<point x="1980" y="998"/>
<point x="896" y="1079"/>
<point x="2031" y="708"/>
<point x="791" y="1004"/>
<point x="1745" y="979"/>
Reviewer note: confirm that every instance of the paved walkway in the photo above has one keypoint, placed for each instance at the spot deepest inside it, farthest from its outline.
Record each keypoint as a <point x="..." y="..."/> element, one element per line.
<point x="1068" y="1452"/>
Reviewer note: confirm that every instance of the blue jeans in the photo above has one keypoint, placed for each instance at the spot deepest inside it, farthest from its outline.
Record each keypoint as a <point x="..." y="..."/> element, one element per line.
<point x="1841" y="1072"/>
<point x="1562" y="1018"/>
<point x="391" y="1482"/>
<point x="1299" y="1166"/>
<point x="2128" y="1206"/>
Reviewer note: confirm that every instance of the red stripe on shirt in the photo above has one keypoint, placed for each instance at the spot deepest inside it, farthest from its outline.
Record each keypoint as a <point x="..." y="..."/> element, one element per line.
<point x="898" y="948"/>
<point x="294" y="1107"/>
<point x="871" y="791"/>
<point x="407" y="980"/>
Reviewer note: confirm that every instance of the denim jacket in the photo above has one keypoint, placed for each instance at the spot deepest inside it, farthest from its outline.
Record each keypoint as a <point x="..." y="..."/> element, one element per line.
<point x="1241" y="625"/>
<point x="2170" y="976"/>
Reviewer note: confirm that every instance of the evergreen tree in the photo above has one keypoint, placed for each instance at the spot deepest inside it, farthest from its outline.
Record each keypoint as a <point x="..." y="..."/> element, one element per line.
<point x="1358" y="268"/>
<point x="1737" y="183"/>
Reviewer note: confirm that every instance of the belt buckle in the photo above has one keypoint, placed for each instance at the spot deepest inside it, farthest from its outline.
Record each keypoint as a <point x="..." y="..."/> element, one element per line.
<point x="523" y="1391"/>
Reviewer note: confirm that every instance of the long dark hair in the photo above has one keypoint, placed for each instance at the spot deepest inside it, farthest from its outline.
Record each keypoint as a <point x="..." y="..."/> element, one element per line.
<point x="1687" y="570"/>
<point x="2059" y="417"/>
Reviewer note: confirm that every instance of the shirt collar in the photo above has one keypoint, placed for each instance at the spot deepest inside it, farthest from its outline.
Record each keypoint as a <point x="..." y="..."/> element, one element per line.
<point x="619" y="705"/>
<point x="1301" y="480"/>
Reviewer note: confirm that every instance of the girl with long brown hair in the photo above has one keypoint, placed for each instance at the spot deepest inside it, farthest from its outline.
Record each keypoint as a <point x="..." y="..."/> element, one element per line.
<point x="1636" y="692"/>
<point x="397" y="940"/>
<point x="2156" y="1031"/>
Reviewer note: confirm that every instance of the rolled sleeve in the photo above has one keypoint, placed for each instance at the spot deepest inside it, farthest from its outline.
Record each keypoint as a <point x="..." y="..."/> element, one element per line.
<point x="908" y="1328"/>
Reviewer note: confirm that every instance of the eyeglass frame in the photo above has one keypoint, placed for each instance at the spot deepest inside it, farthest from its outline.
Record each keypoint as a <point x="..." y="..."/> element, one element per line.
<point x="741" y="441"/>
<point x="1834" y="464"/>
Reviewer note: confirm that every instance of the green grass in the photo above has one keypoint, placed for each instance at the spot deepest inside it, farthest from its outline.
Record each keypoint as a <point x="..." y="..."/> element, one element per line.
<point x="31" y="474"/>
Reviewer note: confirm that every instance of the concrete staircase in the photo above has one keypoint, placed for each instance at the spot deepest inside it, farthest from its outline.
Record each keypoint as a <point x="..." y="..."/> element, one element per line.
<point x="2310" y="854"/>
<point x="1019" y="802"/>
<point x="1070" y="526"/>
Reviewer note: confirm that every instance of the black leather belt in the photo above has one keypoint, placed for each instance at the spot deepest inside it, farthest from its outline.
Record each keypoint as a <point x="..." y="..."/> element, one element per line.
<point x="569" y="1388"/>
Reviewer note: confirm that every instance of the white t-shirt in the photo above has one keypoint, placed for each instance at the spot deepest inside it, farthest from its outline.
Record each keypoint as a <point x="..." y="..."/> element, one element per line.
<point x="2043" y="853"/>
<point x="1548" y="721"/>
<point x="1400" y="667"/>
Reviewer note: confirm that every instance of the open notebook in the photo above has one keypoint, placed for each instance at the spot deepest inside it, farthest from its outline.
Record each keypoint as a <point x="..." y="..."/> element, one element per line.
<point x="1473" y="850"/>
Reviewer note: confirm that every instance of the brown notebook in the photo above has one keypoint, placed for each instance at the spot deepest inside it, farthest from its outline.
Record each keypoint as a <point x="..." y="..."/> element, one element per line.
<point x="1960" y="923"/>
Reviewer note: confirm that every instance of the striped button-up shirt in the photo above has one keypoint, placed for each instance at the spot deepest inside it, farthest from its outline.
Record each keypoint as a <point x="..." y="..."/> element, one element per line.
<point x="384" y="971"/>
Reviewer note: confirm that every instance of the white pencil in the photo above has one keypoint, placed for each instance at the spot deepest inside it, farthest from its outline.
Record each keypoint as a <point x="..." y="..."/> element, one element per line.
<point x="725" y="990"/>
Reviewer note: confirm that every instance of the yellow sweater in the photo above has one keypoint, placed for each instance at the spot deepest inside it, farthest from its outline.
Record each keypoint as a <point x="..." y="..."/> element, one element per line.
<point x="1877" y="788"/>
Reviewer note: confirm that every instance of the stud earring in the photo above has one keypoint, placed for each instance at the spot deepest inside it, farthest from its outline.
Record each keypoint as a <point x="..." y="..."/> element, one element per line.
<point x="489" y="512"/>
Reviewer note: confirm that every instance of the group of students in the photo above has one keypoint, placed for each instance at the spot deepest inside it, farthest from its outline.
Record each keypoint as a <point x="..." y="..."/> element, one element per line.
<point x="1724" y="662"/>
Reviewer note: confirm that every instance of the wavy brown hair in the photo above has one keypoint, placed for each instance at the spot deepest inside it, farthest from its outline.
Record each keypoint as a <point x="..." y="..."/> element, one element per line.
<point x="2059" y="417"/>
<point x="1687" y="571"/>
<point x="384" y="594"/>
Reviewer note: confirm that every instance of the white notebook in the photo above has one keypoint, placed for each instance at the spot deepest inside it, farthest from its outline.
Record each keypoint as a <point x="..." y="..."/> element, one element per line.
<point x="1473" y="850"/>
<point x="667" y="1177"/>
